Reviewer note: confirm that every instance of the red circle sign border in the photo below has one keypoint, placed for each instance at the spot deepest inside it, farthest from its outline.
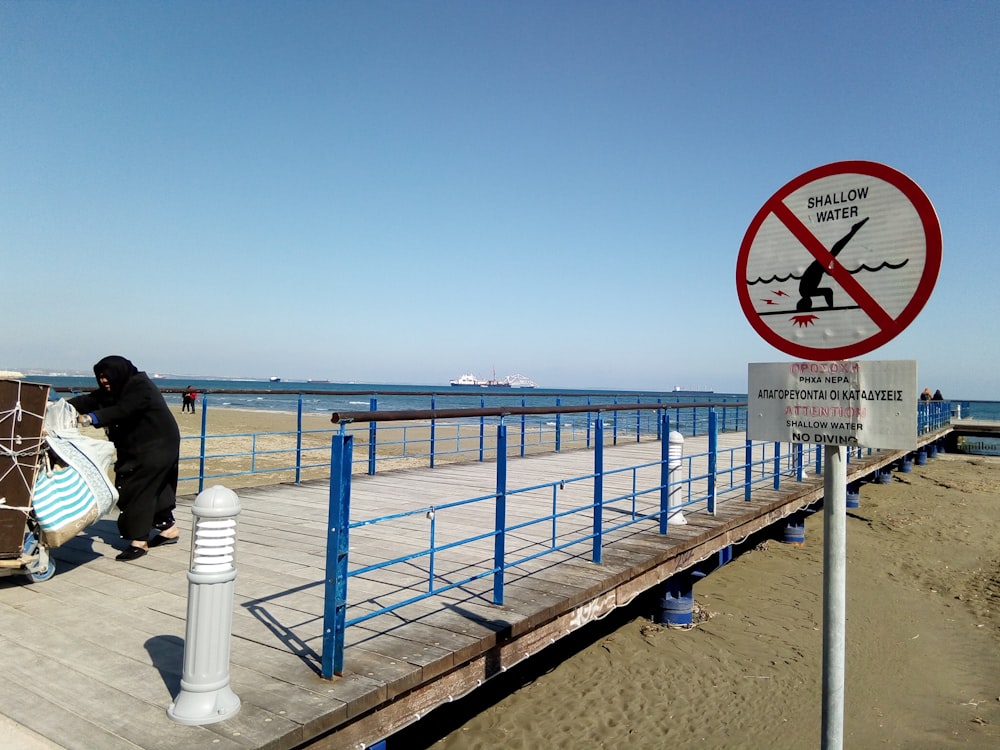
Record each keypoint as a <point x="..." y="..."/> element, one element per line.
<point x="932" y="265"/>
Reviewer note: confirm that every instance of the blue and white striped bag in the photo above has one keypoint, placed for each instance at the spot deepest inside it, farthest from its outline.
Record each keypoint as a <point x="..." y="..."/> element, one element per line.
<point x="64" y="504"/>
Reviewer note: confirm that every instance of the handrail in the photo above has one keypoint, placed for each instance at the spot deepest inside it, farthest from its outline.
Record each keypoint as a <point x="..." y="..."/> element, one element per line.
<point x="404" y="415"/>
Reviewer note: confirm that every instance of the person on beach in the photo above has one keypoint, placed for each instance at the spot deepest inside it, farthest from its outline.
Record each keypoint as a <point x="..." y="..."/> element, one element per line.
<point x="188" y="399"/>
<point x="129" y="406"/>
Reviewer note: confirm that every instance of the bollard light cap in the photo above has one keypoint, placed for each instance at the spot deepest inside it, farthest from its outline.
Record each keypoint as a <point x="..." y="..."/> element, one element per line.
<point x="216" y="502"/>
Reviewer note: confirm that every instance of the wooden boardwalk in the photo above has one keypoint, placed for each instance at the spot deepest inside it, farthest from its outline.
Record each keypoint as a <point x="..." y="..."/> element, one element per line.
<point x="93" y="657"/>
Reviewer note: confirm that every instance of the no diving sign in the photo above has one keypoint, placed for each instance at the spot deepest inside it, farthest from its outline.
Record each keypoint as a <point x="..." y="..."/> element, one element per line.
<point x="839" y="261"/>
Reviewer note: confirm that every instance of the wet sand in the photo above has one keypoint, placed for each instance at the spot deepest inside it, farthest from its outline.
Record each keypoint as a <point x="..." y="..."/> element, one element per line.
<point x="923" y="643"/>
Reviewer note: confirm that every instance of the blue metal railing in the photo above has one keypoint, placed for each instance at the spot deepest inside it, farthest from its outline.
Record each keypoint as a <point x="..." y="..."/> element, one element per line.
<point x="584" y="510"/>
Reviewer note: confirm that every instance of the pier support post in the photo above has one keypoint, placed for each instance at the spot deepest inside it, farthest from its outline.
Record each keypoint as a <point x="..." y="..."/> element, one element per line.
<point x="677" y="603"/>
<point x="906" y="464"/>
<point x="205" y="696"/>
<point x="921" y="457"/>
<point x="932" y="450"/>
<point x="884" y="475"/>
<point x="854" y="495"/>
<point x="795" y="529"/>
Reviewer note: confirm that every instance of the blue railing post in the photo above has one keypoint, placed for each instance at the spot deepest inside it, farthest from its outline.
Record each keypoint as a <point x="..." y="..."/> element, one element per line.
<point x="500" y="525"/>
<point x="588" y="423"/>
<point x="694" y="421"/>
<point x="659" y="422"/>
<point x="638" y="420"/>
<point x="372" y="438"/>
<point x="664" y="473"/>
<point x="204" y="436"/>
<point x="800" y="468"/>
<point x="713" y="457"/>
<point x="598" y="488"/>
<point x="558" y="426"/>
<point x="433" y="432"/>
<point x="819" y="458"/>
<point x="777" y="466"/>
<point x="523" y="425"/>
<point x="747" y="469"/>
<point x="335" y="588"/>
<point x="298" y="444"/>
<point x="482" y="431"/>
<point x="614" y="424"/>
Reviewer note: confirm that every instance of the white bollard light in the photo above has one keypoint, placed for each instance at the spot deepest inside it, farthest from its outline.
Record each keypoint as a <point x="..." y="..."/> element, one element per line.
<point x="674" y="456"/>
<point x="205" y="696"/>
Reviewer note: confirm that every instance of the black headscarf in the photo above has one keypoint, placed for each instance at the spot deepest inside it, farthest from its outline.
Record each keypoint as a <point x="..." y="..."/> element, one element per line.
<point x="116" y="370"/>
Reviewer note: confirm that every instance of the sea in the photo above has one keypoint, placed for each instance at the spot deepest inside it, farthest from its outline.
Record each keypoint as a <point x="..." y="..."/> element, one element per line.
<point x="324" y="397"/>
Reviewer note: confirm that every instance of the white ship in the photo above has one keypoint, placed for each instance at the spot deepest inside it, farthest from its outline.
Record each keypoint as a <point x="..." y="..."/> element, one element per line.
<point x="511" y="381"/>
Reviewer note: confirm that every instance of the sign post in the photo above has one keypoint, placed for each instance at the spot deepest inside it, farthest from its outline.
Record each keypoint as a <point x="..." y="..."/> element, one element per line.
<point x="835" y="264"/>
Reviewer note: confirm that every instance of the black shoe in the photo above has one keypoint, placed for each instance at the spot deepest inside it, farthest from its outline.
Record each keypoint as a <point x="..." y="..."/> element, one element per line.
<point x="130" y="553"/>
<point x="159" y="540"/>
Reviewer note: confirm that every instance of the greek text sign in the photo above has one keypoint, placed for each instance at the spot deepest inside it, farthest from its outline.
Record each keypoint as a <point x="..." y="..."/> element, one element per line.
<point x="839" y="261"/>
<point x="852" y="403"/>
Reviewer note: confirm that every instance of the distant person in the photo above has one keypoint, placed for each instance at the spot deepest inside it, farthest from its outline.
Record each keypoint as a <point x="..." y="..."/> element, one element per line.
<point x="188" y="398"/>
<point x="937" y="396"/>
<point x="926" y="395"/>
<point x="129" y="406"/>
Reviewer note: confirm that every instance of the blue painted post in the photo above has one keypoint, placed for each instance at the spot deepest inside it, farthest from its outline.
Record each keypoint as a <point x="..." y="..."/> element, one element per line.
<point x="747" y="469"/>
<point x="523" y="423"/>
<point x="372" y="438"/>
<point x="854" y="495"/>
<point x="598" y="488"/>
<point x="906" y="464"/>
<point x="614" y="424"/>
<point x="694" y="421"/>
<point x="725" y="555"/>
<point x="500" y="524"/>
<point x="482" y="430"/>
<point x="204" y="436"/>
<point x="558" y="427"/>
<point x="713" y="456"/>
<point x="921" y="457"/>
<point x="335" y="587"/>
<point x="795" y="530"/>
<point x="433" y="433"/>
<point x="588" y="422"/>
<point x="638" y="421"/>
<point x="777" y="466"/>
<point x="298" y="444"/>
<point x="677" y="603"/>
<point x="659" y="422"/>
<point x="819" y="459"/>
<point x="800" y="468"/>
<point x="664" y="476"/>
<point x="932" y="450"/>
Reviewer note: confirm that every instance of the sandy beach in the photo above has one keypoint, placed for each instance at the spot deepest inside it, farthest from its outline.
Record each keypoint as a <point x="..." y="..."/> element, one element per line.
<point x="923" y="650"/>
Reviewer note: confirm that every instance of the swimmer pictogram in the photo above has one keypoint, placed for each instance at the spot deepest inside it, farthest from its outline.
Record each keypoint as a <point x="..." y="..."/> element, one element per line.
<point x="839" y="261"/>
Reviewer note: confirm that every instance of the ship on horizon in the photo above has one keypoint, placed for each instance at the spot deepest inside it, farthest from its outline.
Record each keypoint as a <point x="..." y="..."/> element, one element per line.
<point x="511" y="381"/>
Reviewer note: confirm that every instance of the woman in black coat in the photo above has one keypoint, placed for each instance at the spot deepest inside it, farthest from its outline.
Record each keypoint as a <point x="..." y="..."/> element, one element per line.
<point x="131" y="409"/>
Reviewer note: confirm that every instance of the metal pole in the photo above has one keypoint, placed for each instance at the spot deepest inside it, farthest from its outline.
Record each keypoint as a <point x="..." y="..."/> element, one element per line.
<point x="834" y="594"/>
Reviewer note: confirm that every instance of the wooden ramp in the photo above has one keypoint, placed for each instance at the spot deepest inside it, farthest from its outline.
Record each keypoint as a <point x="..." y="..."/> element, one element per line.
<point x="93" y="657"/>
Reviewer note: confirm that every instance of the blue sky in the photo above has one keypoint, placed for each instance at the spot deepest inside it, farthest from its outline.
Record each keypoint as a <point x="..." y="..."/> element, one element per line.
<point x="405" y="191"/>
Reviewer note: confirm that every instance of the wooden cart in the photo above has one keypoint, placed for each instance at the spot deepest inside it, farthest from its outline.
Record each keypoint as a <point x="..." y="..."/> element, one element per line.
<point x="22" y="447"/>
